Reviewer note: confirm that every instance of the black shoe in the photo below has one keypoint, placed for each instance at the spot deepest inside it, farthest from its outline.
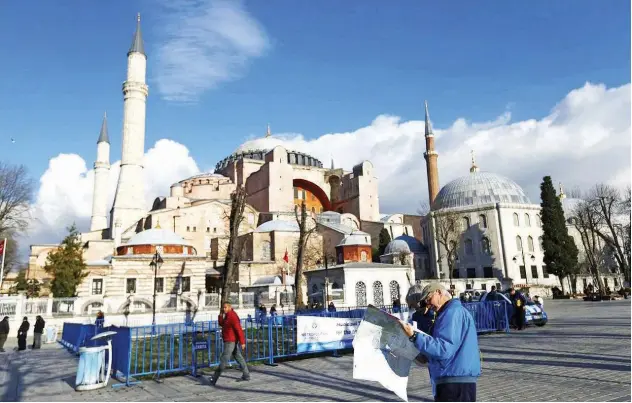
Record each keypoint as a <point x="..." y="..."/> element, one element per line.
<point x="212" y="381"/>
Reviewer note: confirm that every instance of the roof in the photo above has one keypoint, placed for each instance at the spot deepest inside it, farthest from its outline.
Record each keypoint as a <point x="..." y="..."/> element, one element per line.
<point x="361" y="265"/>
<point x="396" y="246"/>
<point x="413" y="243"/>
<point x="156" y="236"/>
<point x="103" y="135"/>
<point x="273" y="280"/>
<point x="205" y="175"/>
<point x="278" y="225"/>
<point x="341" y="228"/>
<point x="137" y="42"/>
<point x="212" y="272"/>
<point x="101" y="262"/>
<point x="479" y="188"/>
<point x="356" y="238"/>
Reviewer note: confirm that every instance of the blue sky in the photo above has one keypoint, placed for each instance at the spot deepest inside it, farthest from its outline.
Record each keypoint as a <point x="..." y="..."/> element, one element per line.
<point x="328" y="67"/>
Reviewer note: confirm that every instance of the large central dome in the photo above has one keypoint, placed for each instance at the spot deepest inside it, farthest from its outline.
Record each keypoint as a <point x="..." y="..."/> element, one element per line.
<point x="480" y="188"/>
<point x="260" y="144"/>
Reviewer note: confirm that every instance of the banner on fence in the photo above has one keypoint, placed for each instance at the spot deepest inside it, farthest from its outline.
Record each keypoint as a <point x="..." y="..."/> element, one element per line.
<point x="316" y="334"/>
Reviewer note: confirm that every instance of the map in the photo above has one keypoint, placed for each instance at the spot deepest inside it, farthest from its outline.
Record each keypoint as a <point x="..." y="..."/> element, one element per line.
<point x="382" y="352"/>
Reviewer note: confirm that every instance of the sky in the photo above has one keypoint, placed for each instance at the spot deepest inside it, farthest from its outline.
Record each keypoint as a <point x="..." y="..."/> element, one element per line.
<point x="534" y="88"/>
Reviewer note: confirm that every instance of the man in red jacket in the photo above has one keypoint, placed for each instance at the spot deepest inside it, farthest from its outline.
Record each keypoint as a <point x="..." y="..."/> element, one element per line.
<point x="231" y="334"/>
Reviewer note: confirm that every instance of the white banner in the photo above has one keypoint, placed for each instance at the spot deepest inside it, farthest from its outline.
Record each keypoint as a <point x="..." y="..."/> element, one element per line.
<point x="316" y="333"/>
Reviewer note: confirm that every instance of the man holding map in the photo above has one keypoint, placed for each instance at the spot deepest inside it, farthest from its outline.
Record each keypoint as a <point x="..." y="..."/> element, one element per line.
<point x="452" y="349"/>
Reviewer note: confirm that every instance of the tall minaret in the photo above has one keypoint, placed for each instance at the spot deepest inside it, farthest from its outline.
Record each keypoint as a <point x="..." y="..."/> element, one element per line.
<point x="431" y="161"/>
<point x="129" y="200"/>
<point x="101" y="174"/>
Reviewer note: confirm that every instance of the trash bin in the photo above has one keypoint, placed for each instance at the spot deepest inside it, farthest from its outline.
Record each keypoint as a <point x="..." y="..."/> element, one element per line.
<point x="95" y="364"/>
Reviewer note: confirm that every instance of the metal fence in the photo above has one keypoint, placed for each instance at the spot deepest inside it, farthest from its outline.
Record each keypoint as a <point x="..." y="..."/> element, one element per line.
<point x="36" y="306"/>
<point x="8" y="308"/>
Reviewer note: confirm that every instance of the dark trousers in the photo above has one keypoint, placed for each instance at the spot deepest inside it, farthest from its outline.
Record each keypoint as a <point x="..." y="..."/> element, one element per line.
<point x="456" y="392"/>
<point x="519" y="318"/>
<point x="3" y="339"/>
<point x="21" y="342"/>
<point x="37" y="340"/>
<point x="231" y="349"/>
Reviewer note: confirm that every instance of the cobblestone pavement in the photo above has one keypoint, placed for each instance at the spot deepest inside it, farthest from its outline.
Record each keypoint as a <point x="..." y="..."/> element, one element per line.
<point x="583" y="354"/>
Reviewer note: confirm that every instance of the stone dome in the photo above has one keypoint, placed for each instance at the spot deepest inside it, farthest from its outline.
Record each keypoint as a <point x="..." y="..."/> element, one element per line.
<point x="396" y="246"/>
<point x="156" y="236"/>
<point x="413" y="243"/>
<point x="480" y="188"/>
<point x="356" y="238"/>
<point x="261" y="144"/>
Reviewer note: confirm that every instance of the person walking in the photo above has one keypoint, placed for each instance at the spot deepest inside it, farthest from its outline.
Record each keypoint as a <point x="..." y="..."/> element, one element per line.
<point x="4" y="332"/>
<point x="518" y="301"/>
<point x="38" y="329"/>
<point x="22" y="332"/>
<point x="454" y="360"/>
<point x="232" y="333"/>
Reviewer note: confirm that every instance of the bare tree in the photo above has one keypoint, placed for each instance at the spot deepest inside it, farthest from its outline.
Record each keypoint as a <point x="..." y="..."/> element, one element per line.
<point x="585" y="218"/>
<point x="448" y="234"/>
<point x="16" y="191"/>
<point x="304" y="233"/>
<point x="235" y="243"/>
<point x="423" y="208"/>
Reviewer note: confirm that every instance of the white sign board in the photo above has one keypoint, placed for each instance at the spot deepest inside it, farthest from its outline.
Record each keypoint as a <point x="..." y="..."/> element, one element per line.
<point x="316" y="334"/>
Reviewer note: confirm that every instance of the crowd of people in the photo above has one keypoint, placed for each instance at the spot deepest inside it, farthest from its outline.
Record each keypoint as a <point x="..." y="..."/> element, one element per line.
<point x="23" y="330"/>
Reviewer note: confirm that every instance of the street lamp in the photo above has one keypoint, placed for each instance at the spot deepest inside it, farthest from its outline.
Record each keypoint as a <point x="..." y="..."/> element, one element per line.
<point x="156" y="262"/>
<point x="524" y="262"/>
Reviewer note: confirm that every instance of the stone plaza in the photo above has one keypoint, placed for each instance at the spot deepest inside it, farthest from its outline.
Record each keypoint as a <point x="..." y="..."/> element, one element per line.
<point x="582" y="354"/>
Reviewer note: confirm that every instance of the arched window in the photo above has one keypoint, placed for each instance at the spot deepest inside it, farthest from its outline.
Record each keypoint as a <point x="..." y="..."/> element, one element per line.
<point x="360" y="290"/>
<point x="519" y="243"/>
<point x="486" y="246"/>
<point x="363" y="256"/>
<point x="530" y="244"/>
<point x="466" y="223"/>
<point x="469" y="247"/>
<point x="482" y="221"/>
<point x="394" y="288"/>
<point x="378" y="294"/>
<point x="541" y="242"/>
<point x="537" y="220"/>
<point x="527" y="220"/>
<point x="516" y="219"/>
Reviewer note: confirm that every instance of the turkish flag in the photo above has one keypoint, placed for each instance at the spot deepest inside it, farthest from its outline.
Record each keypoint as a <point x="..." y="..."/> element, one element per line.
<point x="286" y="257"/>
<point x="2" y="247"/>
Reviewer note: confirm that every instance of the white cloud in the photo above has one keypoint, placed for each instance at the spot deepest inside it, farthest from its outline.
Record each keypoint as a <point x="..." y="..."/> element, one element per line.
<point x="205" y="43"/>
<point x="584" y="140"/>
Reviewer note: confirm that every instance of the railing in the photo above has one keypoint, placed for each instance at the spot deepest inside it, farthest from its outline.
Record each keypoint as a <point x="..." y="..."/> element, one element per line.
<point x="63" y="306"/>
<point x="35" y="306"/>
<point x="8" y="308"/>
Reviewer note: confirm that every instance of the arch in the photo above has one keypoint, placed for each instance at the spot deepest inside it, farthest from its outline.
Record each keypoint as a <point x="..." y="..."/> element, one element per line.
<point x="466" y="223"/>
<point x="93" y="301"/>
<point x="538" y="222"/>
<point x="315" y="190"/>
<point x="360" y="291"/>
<point x="378" y="294"/>
<point x="527" y="220"/>
<point x="518" y="243"/>
<point x="516" y="219"/>
<point x="482" y="221"/>
<point x="130" y="302"/>
<point x="541" y="242"/>
<point x="189" y="301"/>
<point x="530" y="244"/>
<point x="363" y="256"/>
<point x="394" y="289"/>
<point x="486" y="246"/>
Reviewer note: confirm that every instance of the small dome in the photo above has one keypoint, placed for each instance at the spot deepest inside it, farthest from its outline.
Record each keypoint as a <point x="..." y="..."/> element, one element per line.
<point x="356" y="238"/>
<point x="278" y="225"/>
<point x="413" y="243"/>
<point x="396" y="246"/>
<point x="479" y="188"/>
<point x="156" y="236"/>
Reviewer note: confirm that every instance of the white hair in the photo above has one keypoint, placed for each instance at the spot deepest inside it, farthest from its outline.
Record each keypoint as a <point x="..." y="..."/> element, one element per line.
<point x="446" y="294"/>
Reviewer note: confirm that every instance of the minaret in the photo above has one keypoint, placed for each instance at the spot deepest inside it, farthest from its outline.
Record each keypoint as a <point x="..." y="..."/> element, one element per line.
<point x="474" y="167"/>
<point x="129" y="200"/>
<point x="268" y="131"/>
<point x="431" y="161"/>
<point x="101" y="174"/>
<point x="562" y="195"/>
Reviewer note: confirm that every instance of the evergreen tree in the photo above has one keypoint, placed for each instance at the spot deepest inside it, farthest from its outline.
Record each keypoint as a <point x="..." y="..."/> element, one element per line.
<point x="385" y="239"/>
<point x="66" y="265"/>
<point x="560" y="251"/>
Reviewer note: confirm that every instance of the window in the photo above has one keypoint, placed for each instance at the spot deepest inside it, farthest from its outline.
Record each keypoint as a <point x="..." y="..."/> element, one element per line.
<point x="488" y="272"/>
<point x="97" y="286"/>
<point x="523" y="272"/>
<point x="537" y="220"/>
<point x="527" y="220"/>
<point x="545" y="273"/>
<point x="313" y="210"/>
<point x="296" y="196"/>
<point x="466" y="223"/>
<point x="186" y="284"/>
<point x="534" y="271"/>
<point x="363" y="256"/>
<point x="616" y="283"/>
<point x="530" y="244"/>
<point x="541" y="244"/>
<point x="519" y="243"/>
<point x="188" y="229"/>
<point x="160" y="284"/>
<point x="469" y="248"/>
<point x="605" y="282"/>
<point x="394" y="288"/>
<point x="516" y="219"/>
<point x="378" y="294"/>
<point x="484" y="286"/>
<point x="455" y="273"/>
<point x="585" y="283"/>
<point x="486" y="246"/>
<point x="360" y="291"/>
<point x="471" y="272"/>
<point x="130" y="285"/>
<point x="214" y="230"/>
<point x="266" y="251"/>
<point x="194" y="229"/>
<point x="482" y="221"/>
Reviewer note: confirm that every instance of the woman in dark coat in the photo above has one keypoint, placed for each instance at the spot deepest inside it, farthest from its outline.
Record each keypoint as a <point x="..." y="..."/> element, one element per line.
<point x="22" y="331"/>
<point x="38" y="329"/>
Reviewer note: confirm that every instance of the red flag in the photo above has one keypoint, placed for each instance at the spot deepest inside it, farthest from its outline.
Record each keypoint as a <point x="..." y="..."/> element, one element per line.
<point x="2" y="247"/>
<point x="286" y="257"/>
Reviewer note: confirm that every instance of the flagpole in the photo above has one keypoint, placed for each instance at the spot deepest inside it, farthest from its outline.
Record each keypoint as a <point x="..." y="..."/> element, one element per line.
<point x="4" y="252"/>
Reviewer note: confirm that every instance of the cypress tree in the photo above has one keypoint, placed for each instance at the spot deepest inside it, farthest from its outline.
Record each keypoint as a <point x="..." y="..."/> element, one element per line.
<point x="66" y="265"/>
<point x="384" y="240"/>
<point x="560" y="251"/>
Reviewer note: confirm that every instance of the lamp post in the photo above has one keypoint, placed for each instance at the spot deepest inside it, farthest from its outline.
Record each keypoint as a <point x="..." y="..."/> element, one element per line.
<point x="156" y="262"/>
<point x="524" y="262"/>
<point x="326" y="281"/>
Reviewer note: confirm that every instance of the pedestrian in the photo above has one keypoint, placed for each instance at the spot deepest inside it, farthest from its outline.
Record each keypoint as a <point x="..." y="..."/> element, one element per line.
<point x="492" y="293"/>
<point x="331" y="307"/>
<point x="99" y="322"/>
<point x="232" y="333"/>
<point x="454" y="360"/>
<point x="22" y="332"/>
<point x="397" y="306"/>
<point x="273" y="310"/>
<point x="518" y="301"/>
<point x="38" y="329"/>
<point x="4" y="332"/>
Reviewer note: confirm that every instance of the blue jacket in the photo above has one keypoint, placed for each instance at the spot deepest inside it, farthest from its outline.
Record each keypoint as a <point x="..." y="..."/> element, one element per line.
<point x="452" y="350"/>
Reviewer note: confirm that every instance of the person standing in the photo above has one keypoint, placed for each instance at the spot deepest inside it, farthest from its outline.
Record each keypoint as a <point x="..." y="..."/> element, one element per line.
<point x="38" y="329"/>
<point x="518" y="301"/>
<point x="4" y="332"/>
<point x="22" y="332"/>
<point x="454" y="360"/>
<point x="232" y="333"/>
